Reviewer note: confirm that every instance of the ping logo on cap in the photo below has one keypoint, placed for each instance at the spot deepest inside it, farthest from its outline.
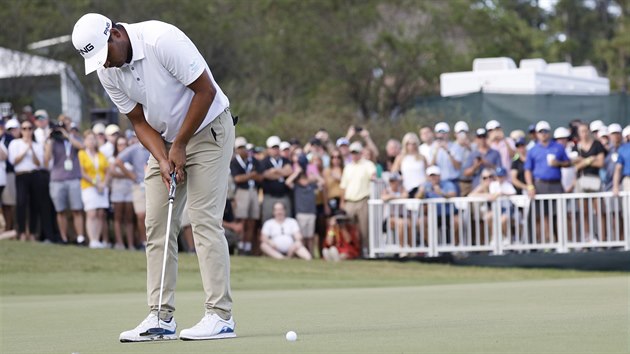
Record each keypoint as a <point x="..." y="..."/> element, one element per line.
<point x="106" y="28"/>
<point x="88" y="48"/>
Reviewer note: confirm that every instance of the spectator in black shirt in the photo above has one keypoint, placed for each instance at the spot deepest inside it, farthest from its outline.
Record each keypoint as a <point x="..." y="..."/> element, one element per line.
<point x="246" y="171"/>
<point x="518" y="166"/>
<point x="275" y="170"/>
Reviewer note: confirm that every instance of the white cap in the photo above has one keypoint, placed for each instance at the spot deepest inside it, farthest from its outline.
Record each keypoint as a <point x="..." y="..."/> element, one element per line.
<point x="342" y="141"/>
<point x="41" y="113"/>
<point x="542" y="125"/>
<point x="273" y="141"/>
<point x="442" y="127"/>
<point x="596" y="125"/>
<point x="98" y="128"/>
<point x="461" y="126"/>
<point x="89" y="37"/>
<point x="603" y="131"/>
<point x="614" y="128"/>
<point x="12" y="123"/>
<point x="356" y="147"/>
<point x="284" y="145"/>
<point x="625" y="132"/>
<point x="561" y="133"/>
<point x="240" y="142"/>
<point x="433" y="170"/>
<point x="249" y="146"/>
<point x="493" y="124"/>
<point x="112" y="129"/>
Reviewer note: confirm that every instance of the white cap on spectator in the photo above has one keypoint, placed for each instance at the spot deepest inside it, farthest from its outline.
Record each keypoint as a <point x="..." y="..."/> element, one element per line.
<point x="561" y="133"/>
<point x="112" y="129"/>
<point x="249" y="146"/>
<point x="442" y="127"/>
<point x="284" y="145"/>
<point x="433" y="170"/>
<point x="542" y="125"/>
<point x="461" y="126"/>
<point x="493" y="124"/>
<point x="273" y="141"/>
<point x="98" y="128"/>
<point x="12" y="124"/>
<point x="343" y="141"/>
<point x="481" y="132"/>
<point x="240" y="142"/>
<point x="603" y="131"/>
<point x="596" y="125"/>
<point x="614" y="128"/>
<point x="356" y="147"/>
<point x="41" y="114"/>
<point x="517" y="134"/>
<point x="625" y="132"/>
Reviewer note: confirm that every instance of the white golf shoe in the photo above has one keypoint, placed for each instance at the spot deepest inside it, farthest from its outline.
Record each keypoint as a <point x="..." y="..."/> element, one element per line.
<point x="211" y="326"/>
<point x="142" y="334"/>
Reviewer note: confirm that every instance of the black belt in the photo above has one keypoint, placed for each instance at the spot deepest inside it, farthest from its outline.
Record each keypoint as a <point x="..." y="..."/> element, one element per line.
<point x="548" y="181"/>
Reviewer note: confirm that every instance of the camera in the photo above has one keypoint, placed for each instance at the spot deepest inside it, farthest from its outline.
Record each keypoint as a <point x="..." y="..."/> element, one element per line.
<point x="58" y="131"/>
<point x="358" y="129"/>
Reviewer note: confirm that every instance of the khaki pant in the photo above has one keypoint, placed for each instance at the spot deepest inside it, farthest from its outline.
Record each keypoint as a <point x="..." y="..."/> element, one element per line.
<point x="359" y="212"/>
<point x="625" y="183"/>
<point x="205" y="187"/>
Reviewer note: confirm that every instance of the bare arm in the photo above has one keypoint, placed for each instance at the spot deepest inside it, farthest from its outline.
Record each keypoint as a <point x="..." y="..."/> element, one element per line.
<point x="204" y="93"/>
<point x="152" y="141"/>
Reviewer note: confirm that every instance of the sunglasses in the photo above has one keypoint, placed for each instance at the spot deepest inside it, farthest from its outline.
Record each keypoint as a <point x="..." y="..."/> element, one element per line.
<point x="544" y="131"/>
<point x="27" y="128"/>
<point x="487" y="177"/>
<point x="335" y="157"/>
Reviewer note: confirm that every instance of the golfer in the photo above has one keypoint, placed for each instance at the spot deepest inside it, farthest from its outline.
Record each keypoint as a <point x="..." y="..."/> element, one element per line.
<point x="157" y="77"/>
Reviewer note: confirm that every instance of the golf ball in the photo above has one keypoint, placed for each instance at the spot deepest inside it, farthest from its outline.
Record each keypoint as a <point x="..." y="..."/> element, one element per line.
<point x="291" y="336"/>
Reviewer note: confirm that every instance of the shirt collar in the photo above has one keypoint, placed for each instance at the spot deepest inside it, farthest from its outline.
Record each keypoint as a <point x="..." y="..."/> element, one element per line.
<point x="136" y="43"/>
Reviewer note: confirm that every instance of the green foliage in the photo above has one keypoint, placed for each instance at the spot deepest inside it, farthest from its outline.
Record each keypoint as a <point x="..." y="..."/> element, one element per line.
<point x="291" y="65"/>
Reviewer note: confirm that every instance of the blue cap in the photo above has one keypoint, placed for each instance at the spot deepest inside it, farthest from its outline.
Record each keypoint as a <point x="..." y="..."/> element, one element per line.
<point x="500" y="172"/>
<point x="531" y="128"/>
<point x="520" y="141"/>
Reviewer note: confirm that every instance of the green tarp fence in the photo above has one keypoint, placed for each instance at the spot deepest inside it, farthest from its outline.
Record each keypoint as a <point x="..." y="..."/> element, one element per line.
<point x="519" y="111"/>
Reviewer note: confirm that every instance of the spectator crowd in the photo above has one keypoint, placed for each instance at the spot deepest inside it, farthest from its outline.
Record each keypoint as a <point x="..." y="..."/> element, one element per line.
<point x="290" y="199"/>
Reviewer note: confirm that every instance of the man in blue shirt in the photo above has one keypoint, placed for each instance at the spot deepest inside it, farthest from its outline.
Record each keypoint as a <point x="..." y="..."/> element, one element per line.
<point x="622" y="169"/>
<point x="446" y="155"/>
<point x="543" y="175"/>
<point x="543" y="163"/>
<point x="435" y="187"/>
<point x="481" y="158"/>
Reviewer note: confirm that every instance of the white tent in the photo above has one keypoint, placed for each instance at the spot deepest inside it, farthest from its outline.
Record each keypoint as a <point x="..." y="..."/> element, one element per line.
<point x="14" y="64"/>
<point x="533" y="76"/>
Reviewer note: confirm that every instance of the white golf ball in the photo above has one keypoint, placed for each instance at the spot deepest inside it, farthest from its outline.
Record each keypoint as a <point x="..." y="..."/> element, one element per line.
<point x="291" y="336"/>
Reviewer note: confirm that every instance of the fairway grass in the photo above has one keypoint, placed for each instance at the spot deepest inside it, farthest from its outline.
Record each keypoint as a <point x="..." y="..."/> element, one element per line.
<point x="70" y="300"/>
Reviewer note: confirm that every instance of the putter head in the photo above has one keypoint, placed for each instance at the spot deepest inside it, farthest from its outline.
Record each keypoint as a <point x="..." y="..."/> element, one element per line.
<point x="171" y="191"/>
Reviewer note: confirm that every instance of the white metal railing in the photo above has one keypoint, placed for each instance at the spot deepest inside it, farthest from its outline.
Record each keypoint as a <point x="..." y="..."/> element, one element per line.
<point x="555" y="222"/>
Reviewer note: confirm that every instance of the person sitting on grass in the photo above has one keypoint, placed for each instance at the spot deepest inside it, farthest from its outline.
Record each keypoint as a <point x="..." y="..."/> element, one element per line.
<point x="281" y="237"/>
<point x="341" y="240"/>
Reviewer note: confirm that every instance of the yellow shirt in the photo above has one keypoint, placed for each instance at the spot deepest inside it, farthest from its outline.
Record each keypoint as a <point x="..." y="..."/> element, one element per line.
<point x="356" y="180"/>
<point x="88" y="165"/>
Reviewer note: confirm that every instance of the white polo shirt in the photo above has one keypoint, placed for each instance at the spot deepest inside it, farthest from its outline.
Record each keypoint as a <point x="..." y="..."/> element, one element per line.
<point x="164" y="62"/>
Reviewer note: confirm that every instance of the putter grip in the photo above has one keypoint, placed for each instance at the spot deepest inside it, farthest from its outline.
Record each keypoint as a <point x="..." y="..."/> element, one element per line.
<point x="171" y="191"/>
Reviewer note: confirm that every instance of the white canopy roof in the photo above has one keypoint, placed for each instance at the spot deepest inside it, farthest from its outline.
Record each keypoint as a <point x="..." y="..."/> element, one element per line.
<point x="533" y="76"/>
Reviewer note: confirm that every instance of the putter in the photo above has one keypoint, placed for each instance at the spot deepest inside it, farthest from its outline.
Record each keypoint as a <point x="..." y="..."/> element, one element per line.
<point x="159" y="331"/>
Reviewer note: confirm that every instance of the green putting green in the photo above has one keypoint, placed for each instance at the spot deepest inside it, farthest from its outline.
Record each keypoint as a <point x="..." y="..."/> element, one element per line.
<point x="84" y="299"/>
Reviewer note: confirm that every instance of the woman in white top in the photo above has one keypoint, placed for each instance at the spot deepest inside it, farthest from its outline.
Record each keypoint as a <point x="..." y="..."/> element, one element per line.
<point x="121" y="198"/>
<point x="27" y="157"/>
<point x="411" y="164"/>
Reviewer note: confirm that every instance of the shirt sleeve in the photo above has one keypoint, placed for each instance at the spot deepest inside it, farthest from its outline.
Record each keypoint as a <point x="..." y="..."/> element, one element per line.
<point x="265" y="229"/>
<point x="293" y="226"/>
<point x="529" y="160"/>
<point x="620" y="160"/>
<point x="13" y="151"/>
<point x="178" y="54"/>
<point x="118" y="96"/>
